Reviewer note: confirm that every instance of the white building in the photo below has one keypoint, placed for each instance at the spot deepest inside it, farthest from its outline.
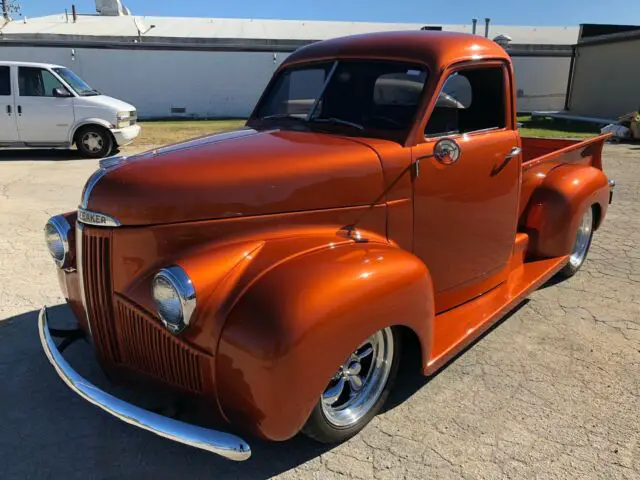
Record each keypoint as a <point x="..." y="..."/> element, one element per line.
<point x="214" y="67"/>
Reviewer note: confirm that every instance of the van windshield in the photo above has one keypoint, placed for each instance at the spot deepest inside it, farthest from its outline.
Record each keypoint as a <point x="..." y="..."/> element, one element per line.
<point x="359" y="96"/>
<point x="79" y="86"/>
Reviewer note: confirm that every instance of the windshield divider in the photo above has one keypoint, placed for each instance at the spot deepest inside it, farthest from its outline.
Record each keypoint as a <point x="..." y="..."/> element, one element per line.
<point x="324" y="87"/>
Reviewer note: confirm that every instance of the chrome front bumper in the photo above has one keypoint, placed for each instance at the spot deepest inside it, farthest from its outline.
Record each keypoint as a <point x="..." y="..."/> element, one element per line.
<point x="225" y="444"/>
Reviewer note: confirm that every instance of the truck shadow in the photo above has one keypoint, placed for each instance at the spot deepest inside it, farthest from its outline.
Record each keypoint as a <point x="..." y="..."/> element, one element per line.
<point x="22" y="155"/>
<point x="410" y="378"/>
<point x="48" y="428"/>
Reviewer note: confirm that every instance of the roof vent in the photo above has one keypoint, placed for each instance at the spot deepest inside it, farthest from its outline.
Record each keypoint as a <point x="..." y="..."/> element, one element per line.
<point x="112" y="8"/>
<point x="503" y="40"/>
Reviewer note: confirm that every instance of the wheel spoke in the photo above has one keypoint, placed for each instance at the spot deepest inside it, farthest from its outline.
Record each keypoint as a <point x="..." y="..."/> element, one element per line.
<point x="332" y="394"/>
<point x="364" y="353"/>
<point x="355" y="382"/>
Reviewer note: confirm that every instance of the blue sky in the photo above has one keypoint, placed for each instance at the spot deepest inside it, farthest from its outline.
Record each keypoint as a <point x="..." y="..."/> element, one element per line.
<point x="509" y="12"/>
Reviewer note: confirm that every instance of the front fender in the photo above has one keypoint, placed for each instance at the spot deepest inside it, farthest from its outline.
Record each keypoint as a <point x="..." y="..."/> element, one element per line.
<point x="88" y="121"/>
<point x="557" y="205"/>
<point x="291" y="329"/>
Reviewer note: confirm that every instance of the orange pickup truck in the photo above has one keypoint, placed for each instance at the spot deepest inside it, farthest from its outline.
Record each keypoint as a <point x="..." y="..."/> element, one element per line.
<point x="379" y="191"/>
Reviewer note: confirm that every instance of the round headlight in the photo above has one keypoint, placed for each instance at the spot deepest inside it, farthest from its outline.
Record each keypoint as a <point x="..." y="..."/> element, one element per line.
<point x="56" y="235"/>
<point x="175" y="298"/>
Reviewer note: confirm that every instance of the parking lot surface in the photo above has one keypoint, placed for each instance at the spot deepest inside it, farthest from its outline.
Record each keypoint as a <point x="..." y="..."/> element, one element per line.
<point x="552" y="392"/>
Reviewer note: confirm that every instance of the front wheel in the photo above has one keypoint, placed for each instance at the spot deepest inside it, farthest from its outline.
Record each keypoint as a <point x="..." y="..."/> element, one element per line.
<point x="581" y="246"/>
<point x="94" y="141"/>
<point x="358" y="390"/>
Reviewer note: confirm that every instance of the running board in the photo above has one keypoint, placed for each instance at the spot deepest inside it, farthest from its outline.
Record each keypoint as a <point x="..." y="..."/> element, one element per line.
<point x="455" y="329"/>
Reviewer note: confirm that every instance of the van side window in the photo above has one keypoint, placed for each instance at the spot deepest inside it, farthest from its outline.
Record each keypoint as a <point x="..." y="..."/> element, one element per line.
<point x="470" y="100"/>
<point x="37" y="82"/>
<point x="5" y="81"/>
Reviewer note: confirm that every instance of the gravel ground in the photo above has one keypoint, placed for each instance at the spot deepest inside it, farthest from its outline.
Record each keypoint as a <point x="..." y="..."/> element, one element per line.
<point x="551" y="392"/>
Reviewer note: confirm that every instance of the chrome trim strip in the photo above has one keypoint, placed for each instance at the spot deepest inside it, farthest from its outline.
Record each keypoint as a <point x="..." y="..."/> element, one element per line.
<point x="83" y="295"/>
<point x="106" y="166"/>
<point x="95" y="218"/>
<point x="221" y="443"/>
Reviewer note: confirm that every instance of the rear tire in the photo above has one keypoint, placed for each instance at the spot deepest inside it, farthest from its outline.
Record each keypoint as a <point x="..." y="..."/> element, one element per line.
<point x="94" y="141"/>
<point x="348" y="404"/>
<point x="581" y="245"/>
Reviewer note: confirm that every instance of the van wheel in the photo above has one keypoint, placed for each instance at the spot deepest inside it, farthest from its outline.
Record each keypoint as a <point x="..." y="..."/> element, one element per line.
<point x="94" y="141"/>
<point x="581" y="246"/>
<point x="358" y="390"/>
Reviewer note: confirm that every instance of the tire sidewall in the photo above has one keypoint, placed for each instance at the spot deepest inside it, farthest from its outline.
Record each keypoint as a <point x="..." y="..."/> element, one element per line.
<point x="107" y="139"/>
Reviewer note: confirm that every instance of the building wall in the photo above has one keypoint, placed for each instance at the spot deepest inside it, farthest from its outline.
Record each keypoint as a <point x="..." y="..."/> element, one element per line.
<point x="606" y="80"/>
<point x="541" y="82"/>
<point x="204" y="84"/>
<point x="228" y="84"/>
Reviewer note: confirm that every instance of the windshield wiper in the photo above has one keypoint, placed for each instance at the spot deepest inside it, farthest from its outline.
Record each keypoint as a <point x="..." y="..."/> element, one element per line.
<point x="90" y="93"/>
<point x="338" y="121"/>
<point x="281" y="115"/>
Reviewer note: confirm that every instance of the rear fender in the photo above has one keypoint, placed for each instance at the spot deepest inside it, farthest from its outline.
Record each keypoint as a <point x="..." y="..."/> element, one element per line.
<point x="557" y="205"/>
<point x="294" y="325"/>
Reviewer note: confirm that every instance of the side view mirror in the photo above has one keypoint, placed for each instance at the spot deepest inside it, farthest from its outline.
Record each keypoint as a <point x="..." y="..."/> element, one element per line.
<point x="61" y="93"/>
<point x="446" y="151"/>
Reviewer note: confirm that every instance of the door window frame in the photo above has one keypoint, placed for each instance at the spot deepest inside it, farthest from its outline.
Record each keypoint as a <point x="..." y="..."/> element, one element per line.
<point x="69" y="90"/>
<point x="509" y="114"/>
<point x="11" y="86"/>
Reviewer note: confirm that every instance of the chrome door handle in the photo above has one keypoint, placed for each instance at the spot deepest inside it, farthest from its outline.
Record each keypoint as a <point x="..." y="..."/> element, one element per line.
<point x="515" y="151"/>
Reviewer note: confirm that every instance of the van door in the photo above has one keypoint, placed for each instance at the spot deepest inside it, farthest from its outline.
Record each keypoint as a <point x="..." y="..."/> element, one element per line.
<point x="465" y="207"/>
<point x="43" y="119"/>
<point x="8" y="125"/>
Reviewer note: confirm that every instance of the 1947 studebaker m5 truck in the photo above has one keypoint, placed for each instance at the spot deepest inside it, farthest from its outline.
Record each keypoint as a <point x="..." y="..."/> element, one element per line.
<point x="379" y="191"/>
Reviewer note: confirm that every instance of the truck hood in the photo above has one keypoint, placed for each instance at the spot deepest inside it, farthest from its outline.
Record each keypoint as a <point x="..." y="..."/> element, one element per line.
<point x="235" y="174"/>
<point x="105" y="101"/>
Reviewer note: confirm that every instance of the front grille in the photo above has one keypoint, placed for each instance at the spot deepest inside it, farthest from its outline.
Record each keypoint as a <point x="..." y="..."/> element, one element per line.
<point x="98" y="290"/>
<point x="149" y="348"/>
<point x="124" y="334"/>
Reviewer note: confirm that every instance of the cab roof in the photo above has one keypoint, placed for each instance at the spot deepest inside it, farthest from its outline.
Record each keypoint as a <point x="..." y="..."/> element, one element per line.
<point x="10" y="63"/>
<point x="434" y="48"/>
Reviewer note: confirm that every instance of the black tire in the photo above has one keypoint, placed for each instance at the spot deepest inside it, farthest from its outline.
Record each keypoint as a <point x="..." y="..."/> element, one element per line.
<point x="575" y="264"/>
<point x="94" y="141"/>
<point x="321" y="429"/>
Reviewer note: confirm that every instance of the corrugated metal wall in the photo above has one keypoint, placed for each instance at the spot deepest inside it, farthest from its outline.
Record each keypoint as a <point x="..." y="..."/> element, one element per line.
<point x="204" y="84"/>
<point x="227" y="84"/>
<point x="606" y="81"/>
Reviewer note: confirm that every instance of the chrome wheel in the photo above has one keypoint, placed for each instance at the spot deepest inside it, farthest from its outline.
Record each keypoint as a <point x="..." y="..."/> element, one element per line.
<point x="359" y="382"/>
<point x="583" y="237"/>
<point x="92" y="142"/>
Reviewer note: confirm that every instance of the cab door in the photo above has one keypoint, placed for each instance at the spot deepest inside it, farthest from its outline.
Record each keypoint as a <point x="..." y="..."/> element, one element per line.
<point x="8" y="126"/>
<point x="465" y="203"/>
<point x="43" y="118"/>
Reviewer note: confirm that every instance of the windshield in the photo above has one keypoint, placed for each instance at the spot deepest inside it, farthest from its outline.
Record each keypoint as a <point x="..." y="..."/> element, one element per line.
<point x="355" y="95"/>
<point x="79" y="86"/>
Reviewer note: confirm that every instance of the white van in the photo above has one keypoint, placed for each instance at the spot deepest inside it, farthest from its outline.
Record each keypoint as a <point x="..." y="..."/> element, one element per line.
<point x="49" y="106"/>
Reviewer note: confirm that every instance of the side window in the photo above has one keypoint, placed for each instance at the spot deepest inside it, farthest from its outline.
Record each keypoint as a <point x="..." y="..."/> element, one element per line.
<point x="5" y="81"/>
<point x="470" y="100"/>
<point x="37" y="82"/>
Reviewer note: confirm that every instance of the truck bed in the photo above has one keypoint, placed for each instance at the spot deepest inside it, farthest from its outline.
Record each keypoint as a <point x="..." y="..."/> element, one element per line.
<point x="541" y="155"/>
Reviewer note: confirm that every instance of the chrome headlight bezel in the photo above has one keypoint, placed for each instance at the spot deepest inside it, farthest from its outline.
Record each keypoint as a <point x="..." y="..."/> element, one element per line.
<point x="63" y="230"/>
<point x="179" y="281"/>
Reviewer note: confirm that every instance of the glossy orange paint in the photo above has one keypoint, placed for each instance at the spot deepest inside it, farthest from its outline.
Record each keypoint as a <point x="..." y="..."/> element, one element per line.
<point x="255" y="218"/>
